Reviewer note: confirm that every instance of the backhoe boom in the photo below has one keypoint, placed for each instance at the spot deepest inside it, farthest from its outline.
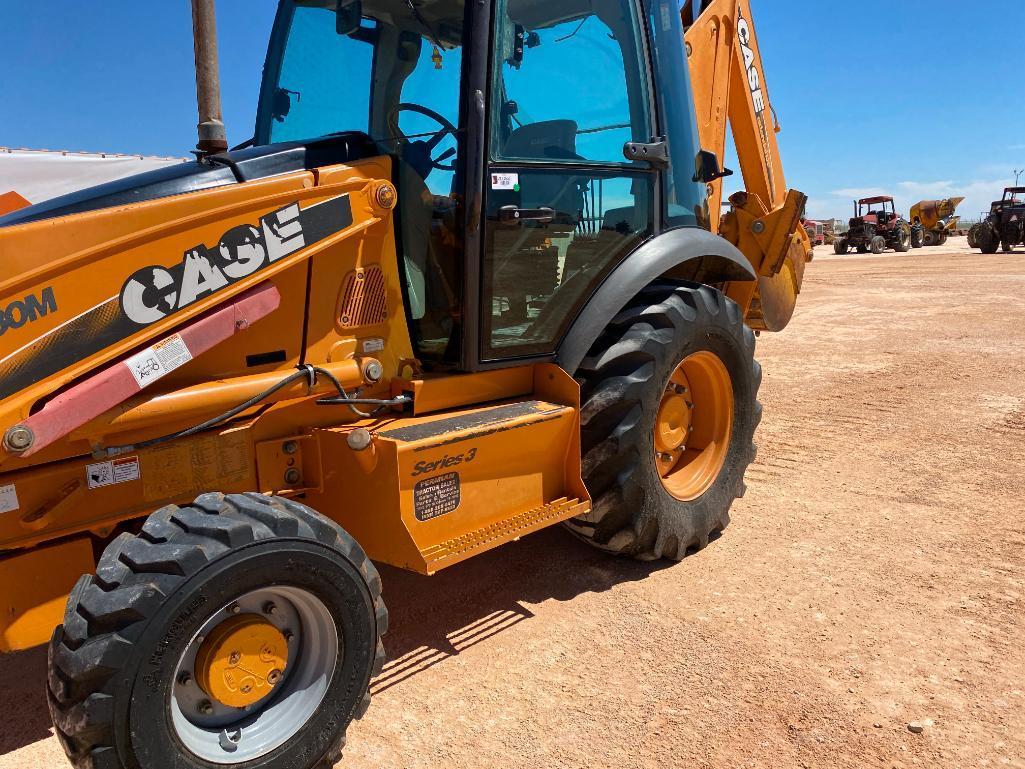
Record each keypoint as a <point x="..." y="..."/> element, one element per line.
<point x="729" y="86"/>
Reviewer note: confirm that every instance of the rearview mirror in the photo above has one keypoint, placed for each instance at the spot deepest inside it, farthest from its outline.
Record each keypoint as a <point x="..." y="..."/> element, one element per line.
<point x="348" y="16"/>
<point x="707" y="169"/>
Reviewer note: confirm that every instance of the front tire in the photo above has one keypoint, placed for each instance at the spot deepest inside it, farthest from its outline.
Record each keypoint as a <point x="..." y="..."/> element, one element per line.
<point x="158" y="662"/>
<point x="642" y="507"/>
<point x="877" y="245"/>
<point x="840" y="246"/>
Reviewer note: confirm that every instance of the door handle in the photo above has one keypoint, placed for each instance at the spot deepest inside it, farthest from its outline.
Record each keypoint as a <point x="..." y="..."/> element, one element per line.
<point x="515" y="215"/>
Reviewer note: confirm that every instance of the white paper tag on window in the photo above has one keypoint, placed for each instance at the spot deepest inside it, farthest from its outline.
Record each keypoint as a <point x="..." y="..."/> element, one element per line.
<point x="505" y="182"/>
<point x="110" y="473"/>
<point x="159" y="360"/>
<point x="8" y="499"/>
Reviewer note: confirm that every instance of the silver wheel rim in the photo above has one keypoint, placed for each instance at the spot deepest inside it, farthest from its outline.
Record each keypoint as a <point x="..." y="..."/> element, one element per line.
<point x="226" y="735"/>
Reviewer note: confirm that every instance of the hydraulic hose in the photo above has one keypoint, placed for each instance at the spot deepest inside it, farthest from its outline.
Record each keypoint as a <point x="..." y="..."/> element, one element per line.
<point x="304" y="372"/>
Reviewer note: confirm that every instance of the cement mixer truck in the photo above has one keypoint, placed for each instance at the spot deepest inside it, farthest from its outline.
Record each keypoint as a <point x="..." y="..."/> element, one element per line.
<point x="932" y="221"/>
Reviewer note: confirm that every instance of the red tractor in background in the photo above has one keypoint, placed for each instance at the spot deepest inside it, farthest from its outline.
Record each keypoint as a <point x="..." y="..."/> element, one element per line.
<point x="876" y="226"/>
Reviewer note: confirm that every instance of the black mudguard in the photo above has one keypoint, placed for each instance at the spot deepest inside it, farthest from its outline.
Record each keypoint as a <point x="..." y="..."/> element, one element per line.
<point x="688" y="253"/>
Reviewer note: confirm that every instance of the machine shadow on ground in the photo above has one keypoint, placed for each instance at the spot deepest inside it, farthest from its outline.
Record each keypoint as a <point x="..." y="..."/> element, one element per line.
<point x="435" y="618"/>
<point x="432" y="618"/>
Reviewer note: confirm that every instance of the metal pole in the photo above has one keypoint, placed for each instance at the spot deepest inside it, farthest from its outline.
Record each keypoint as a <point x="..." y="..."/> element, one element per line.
<point x="212" y="136"/>
<point x="1016" y="175"/>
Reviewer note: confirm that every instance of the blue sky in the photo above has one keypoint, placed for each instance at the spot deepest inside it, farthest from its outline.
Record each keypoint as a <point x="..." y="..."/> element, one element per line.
<point x="908" y="101"/>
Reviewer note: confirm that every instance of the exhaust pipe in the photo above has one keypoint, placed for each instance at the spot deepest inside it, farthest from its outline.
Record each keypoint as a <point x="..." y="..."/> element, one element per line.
<point x="212" y="136"/>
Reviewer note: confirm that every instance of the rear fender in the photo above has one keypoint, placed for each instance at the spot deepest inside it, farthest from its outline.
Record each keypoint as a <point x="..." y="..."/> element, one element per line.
<point x="686" y="254"/>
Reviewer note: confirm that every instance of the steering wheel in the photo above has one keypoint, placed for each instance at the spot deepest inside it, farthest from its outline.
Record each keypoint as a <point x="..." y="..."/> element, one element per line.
<point x="418" y="153"/>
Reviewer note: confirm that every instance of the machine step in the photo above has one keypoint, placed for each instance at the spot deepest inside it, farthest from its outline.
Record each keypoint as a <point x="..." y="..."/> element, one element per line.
<point x="462" y="547"/>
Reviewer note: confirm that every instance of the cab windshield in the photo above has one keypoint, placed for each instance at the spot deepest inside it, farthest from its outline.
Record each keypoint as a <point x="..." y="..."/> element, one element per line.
<point x="393" y="74"/>
<point x="391" y="69"/>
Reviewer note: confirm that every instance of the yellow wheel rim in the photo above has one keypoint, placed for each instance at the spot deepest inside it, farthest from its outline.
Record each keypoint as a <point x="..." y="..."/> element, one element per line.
<point x="693" y="426"/>
<point x="242" y="661"/>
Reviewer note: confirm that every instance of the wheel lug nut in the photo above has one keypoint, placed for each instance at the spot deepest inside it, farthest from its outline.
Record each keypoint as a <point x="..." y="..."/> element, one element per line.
<point x="270" y="608"/>
<point x="289" y="635"/>
<point x="185" y="679"/>
<point x="206" y="708"/>
<point x="274" y="676"/>
<point x="666" y="457"/>
<point x="234" y="608"/>
<point x="234" y="658"/>
<point x="680" y="390"/>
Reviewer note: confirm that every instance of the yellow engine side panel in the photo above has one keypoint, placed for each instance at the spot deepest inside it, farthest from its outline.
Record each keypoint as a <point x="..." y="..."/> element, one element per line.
<point x="432" y="491"/>
<point x="34" y="587"/>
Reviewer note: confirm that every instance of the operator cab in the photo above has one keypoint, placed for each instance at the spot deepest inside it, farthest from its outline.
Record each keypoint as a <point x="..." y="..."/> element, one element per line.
<point x="517" y="129"/>
<point x="877" y="211"/>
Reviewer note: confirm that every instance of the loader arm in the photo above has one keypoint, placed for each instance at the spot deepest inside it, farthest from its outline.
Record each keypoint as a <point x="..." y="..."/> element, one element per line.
<point x="729" y="88"/>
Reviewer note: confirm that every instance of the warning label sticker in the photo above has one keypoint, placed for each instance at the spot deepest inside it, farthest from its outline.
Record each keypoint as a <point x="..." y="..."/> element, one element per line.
<point x="110" y="473"/>
<point x="434" y="497"/>
<point x="159" y="360"/>
<point x="8" y="499"/>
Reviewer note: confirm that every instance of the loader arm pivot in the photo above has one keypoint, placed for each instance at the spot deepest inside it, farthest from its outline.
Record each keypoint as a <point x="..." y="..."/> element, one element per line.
<point x="730" y="90"/>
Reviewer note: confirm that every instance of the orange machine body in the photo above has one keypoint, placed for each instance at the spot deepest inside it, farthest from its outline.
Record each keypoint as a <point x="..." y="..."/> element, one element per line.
<point x="426" y="489"/>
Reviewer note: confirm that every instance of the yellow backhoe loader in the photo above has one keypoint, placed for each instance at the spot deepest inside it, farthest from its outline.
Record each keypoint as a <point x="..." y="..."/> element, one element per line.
<point x="467" y="280"/>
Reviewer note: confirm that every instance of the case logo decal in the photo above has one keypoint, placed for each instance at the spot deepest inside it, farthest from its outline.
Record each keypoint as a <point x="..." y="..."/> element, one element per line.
<point x="153" y="293"/>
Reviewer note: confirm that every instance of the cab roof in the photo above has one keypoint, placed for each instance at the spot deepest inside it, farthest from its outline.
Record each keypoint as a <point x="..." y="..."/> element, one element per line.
<point x="877" y="199"/>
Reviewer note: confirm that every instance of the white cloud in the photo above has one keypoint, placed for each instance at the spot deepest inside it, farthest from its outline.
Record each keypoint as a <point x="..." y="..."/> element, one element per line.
<point x="853" y="193"/>
<point x="978" y="195"/>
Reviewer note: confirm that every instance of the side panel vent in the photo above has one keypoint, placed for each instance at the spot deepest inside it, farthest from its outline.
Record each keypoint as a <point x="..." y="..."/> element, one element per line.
<point x="364" y="301"/>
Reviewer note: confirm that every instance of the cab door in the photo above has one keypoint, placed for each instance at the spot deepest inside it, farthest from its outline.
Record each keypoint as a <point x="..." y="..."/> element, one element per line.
<point x="569" y="99"/>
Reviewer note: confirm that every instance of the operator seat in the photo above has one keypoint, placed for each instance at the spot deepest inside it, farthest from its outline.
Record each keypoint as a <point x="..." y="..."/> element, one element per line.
<point x="416" y="213"/>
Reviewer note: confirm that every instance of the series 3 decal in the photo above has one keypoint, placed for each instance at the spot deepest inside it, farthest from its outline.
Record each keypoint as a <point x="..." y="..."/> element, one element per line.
<point x="422" y="468"/>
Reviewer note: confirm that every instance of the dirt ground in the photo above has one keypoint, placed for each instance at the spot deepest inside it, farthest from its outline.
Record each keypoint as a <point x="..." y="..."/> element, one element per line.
<point x="872" y="576"/>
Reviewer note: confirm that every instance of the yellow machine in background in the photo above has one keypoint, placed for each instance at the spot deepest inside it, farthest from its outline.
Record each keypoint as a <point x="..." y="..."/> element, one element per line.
<point x="480" y="289"/>
<point x="936" y="218"/>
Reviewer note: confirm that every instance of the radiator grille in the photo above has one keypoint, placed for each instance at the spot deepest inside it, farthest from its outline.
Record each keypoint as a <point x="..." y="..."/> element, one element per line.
<point x="364" y="302"/>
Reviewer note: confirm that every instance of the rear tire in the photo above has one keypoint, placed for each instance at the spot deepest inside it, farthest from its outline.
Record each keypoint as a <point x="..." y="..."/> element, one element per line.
<point x="987" y="239"/>
<point x="903" y="243"/>
<point x="930" y="239"/>
<point x="624" y="380"/>
<point x="123" y="690"/>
